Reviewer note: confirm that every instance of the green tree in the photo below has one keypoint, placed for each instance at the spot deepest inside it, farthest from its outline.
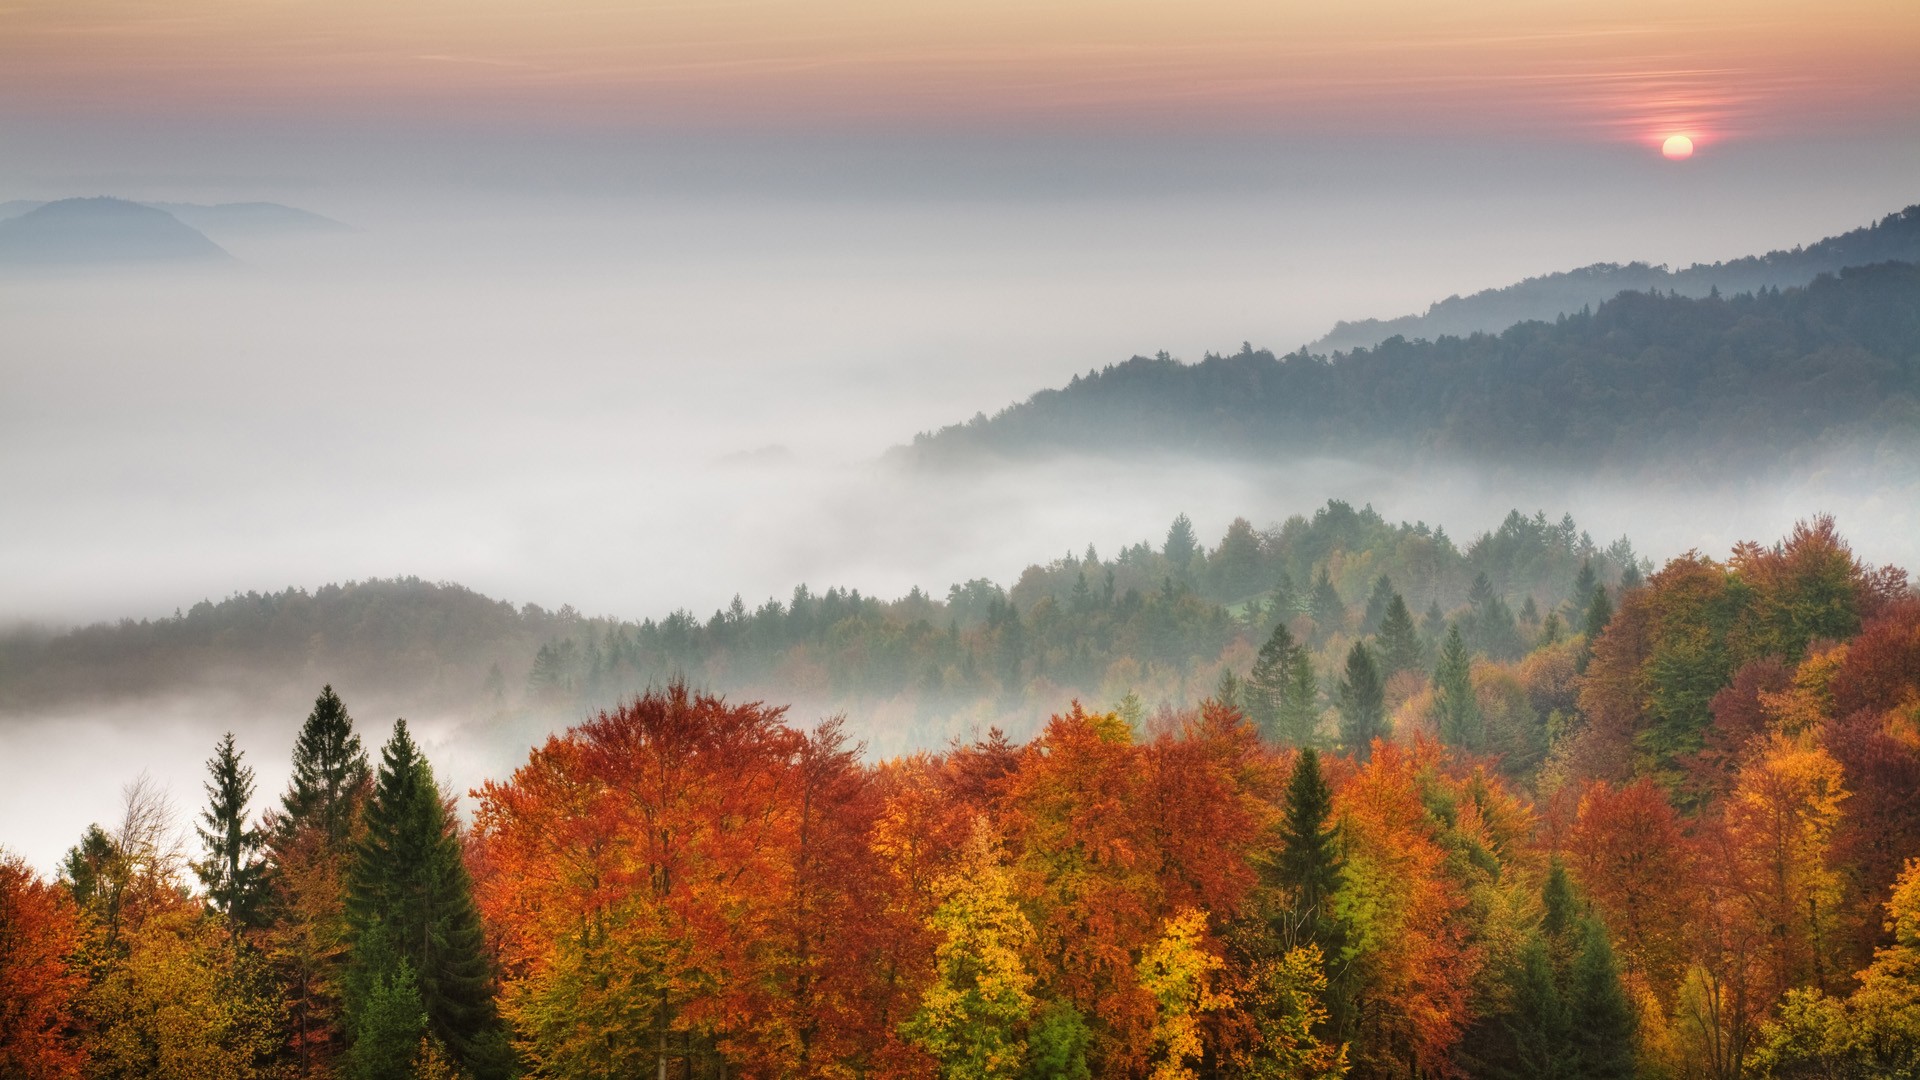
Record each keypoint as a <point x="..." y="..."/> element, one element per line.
<point x="409" y="899"/>
<point x="1399" y="642"/>
<point x="973" y="1019"/>
<point x="1599" y="614"/>
<point x="1309" y="862"/>
<point x="329" y="773"/>
<point x="1459" y="713"/>
<point x="1181" y="546"/>
<point x="1603" y="1018"/>
<point x="1329" y="613"/>
<point x="1362" y="703"/>
<point x="1377" y="603"/>
<point x="232" y="872"/>
<point x="1267" y="686"/>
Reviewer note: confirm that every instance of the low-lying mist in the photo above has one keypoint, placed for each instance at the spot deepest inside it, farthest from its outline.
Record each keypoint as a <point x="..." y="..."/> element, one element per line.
<point x="636" y="407"/>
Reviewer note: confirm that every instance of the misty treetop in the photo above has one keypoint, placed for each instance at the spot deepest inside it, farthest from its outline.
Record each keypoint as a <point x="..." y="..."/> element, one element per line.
<point x="1683" y="844"/>
<point x="1736" y="384"/>
<point x="1161" y="619"/>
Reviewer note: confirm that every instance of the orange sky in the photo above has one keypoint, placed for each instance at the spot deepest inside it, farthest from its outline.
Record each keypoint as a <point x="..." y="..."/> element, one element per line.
<point x="1629" y="69"/>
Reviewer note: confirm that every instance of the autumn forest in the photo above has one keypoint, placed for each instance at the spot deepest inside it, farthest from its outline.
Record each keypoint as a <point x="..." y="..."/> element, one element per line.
<point x="1657" y="824"/>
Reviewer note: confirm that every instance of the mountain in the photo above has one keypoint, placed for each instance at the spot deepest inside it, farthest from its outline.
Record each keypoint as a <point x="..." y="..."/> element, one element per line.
<point x="251" y="218"/>
<point x="102" y="231"/>
<point x="1644" y="380"/>
<point x="233" y="219"/>
<point x="1895" y="238"/>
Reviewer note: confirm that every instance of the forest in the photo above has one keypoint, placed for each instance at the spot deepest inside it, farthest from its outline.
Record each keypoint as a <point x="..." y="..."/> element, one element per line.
<point x="1154" y="623"/>
<point x="1732" y="384"/>
<point x="1894" y="238"/>
<point x="1672" y="829"/>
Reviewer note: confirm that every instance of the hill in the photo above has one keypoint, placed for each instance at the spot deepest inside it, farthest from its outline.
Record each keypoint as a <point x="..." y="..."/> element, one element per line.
<point x="102" y="231"/>
<point x="1156" y="619"/>
<point x="1895" y="238"/>
<point x="1644" y="380"/>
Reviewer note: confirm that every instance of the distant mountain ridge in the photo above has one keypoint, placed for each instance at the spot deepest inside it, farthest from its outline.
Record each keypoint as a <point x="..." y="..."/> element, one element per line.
<point x="1644" y="380"/>
<point x="1894" y="238"/>
<point x="237" y="218"/>
<point x="103" y="232"/>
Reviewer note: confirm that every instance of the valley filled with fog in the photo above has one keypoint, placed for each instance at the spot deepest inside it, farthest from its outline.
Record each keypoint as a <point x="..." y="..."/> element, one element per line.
<point x="637" y="403"/>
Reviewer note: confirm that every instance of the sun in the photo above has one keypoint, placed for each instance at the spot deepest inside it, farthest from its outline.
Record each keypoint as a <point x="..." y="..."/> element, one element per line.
<point x="1677" y="148"/>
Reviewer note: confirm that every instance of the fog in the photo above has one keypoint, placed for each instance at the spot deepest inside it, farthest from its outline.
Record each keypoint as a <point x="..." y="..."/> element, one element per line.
<point x="659" y="387"/>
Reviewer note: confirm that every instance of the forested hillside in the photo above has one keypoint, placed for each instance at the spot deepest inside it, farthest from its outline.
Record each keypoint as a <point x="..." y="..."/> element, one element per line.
<point x="1728" y="383"/>
<point x="1676" y="837"/>
<point x="1158" y="621"/>
<point x="1894" y="238"/>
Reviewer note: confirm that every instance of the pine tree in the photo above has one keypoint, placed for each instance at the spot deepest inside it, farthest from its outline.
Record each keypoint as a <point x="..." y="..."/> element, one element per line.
<point x="409" y="899"/>
<point x="1309" y="864"/>
<point x="1433" y="625"/>
<point x="232" y="872"/>
<point x="1399" y="642"/>
<point x="329" y="773"/>
<point x="1377" y="603"/>
<point x="1181" y="545"/>
<point x="1599" y="614"/>
<point x="1552" y="630"/>
<point x="1603" y="1018"/>
<point x="1266" y="688"/>
<point x="1297" y="721"/>
<point x="1329" y="612"/>
<point x="1362" y="704"/>
<point x="1537" y="1022"/>
<point x="1231" y="691"/>
<point x="1583" y="584"/>
<point x="1459" y="711"/>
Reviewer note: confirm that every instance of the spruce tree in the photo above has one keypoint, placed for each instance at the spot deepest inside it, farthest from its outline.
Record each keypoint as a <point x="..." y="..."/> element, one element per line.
<point x="1552" y="630"/>
<point x="1459" y="711"/>
<point x="1297" y="722"/>
<point x="1537" y="1022"/>
<point x="329" y="773"/>
<point x="232" y="871"/>
<point x="1266" y="687"/>
<point x="1310" y="863"/>
<point x="1181" y="545"/>
<point x="1603" y="1018"/>
<point x="1329" y="613"/>
<point x="1599" y="614"/>
<point x="1399" y="642"/>
<point x="1433" y="625"/>
<point x="1230" y="691"/>
<point x="1583" y="584"/>
<point x="1362" y="704"/>
<point x="409" y="899"/>
<point x="1377" y="602"/>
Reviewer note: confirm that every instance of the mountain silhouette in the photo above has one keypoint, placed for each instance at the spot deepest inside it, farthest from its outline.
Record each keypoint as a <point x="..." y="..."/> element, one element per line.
<point x="102" y="231"/>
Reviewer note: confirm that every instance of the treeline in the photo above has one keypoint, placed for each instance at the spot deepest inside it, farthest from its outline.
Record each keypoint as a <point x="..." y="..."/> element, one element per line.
<point x="1157" y="621"/>
<point x="1734" y="383"/>
<point x="1894" y="238"/>
<point x="1712" y="870"/>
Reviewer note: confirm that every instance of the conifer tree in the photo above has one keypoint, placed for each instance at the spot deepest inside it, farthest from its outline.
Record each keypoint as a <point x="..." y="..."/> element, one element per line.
<point x="1362" y="704"/>
<point x="1181" y="545"/>
<point x="1433" y="625"/>
<point x="409" y="899"/>
<point x="1309" y="863"/>
<point x="1599" y="614"/>
<point x="1268" y="684"/>
<point x="1551" y="630"/>
<point x="329" y="773"/>
<point x="1377" y="602"/>
<point x="1297" y="721"/>
<point x="1603" y="1018"/>
<point x="1230" y="691"/>
<point x="232" y="872"/>
<point x="1399" y="642"/>
<point x="1459" y="711"/>
<point x="1329" y="613"/>
<point x="1583" y="584"/>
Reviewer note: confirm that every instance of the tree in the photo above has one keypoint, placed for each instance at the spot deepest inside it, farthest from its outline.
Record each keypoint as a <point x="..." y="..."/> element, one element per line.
<point x="1454" y="702"/>
<point x="1282" y="998"/>
<point x="1362" y="703"/>
<point x="188" y="1001"/>
<point x="1181" y="546"/>
<point x="1603" y="1019"/>
<point x="40" y="985"/>
<point x="1308" y="867"/>
<point x="409" y="899"/>
<point x="1329" y="612"/>
<point x="1399" y="642"/>
<point x="1178" y="973"/>
<point x="1599" y="613"/>
<point x="1269" y="685"/>
<point x="973" y="1017"/>
<point x="1378" y="601"/>
<point x="232" y="873"/>
<point x="329" y="773"/>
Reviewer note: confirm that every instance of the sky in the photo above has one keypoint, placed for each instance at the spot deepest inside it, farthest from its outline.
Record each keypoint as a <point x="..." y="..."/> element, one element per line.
<point x="638" y="295"/>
